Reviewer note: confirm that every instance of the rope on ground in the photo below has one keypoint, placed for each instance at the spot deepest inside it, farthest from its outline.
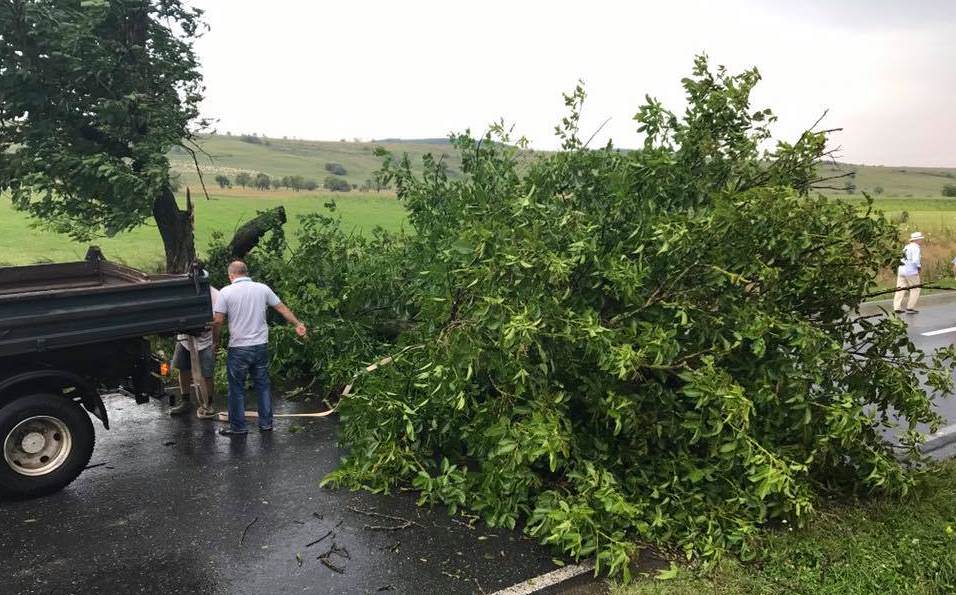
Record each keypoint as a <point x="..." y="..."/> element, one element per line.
<point x="345" y="392"/>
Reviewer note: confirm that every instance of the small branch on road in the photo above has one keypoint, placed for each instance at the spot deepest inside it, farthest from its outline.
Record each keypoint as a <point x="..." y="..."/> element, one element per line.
<point x="242" y="537"/>
<point x="319" y="540"/>
<point x="333" y="567"/>
<point x="405" y="523"/>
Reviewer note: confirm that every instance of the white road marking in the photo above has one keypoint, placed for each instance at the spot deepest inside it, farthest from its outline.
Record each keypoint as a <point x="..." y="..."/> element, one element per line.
<point x="941" y="331"/>
<point x="533" y="585"/>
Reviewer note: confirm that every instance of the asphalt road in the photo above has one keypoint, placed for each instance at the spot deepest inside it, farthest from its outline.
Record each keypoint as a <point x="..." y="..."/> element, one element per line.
<point x="168" y="506"/>
<point x="932" y="327"/>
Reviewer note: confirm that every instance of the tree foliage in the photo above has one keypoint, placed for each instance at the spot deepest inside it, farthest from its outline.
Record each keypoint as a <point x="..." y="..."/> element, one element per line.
<point x="610" y="347"/>
<point x="949" y="190"/>
<point x="92" y="97"/>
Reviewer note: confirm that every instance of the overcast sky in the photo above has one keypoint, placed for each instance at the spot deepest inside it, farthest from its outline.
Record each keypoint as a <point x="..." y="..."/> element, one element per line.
<point x="885" y="69"/>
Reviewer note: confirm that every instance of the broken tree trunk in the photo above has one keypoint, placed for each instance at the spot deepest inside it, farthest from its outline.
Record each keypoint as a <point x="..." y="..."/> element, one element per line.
<point x="176" y="228"/>
<point x="247" y="236"/>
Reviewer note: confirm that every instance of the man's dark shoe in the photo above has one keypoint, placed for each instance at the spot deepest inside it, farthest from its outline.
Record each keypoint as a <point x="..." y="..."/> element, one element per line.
<point x="911" y="311"/>
<point x="231" y="432"/>
<point x="898" y="311"/>
<point x="268" y="429"/>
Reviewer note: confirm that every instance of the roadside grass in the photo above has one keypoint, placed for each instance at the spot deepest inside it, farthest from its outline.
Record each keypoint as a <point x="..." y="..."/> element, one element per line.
<point x="21" y="243"/>
<point x="882" y="545"/>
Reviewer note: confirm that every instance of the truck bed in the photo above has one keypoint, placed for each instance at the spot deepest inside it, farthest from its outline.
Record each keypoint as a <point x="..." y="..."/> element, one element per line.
<point x="52" y="306"/>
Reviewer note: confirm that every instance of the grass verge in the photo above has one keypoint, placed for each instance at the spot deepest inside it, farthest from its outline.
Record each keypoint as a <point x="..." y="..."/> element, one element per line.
<point x="869" y="546"/>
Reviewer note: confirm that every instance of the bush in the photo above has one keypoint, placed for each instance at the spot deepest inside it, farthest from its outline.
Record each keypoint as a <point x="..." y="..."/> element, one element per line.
<point x="899" y="218"/>
<point x="607" y="347"/>
<point x="335" y="169"/>
<point x="250" y="138"/>
<point x="223" y="181"/>
<point x="949" y="190"/>
<point x="336" y="184"/>
<point x="878" y="190"/>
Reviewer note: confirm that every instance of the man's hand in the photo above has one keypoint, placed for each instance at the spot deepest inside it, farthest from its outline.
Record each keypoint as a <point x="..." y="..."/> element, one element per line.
<point x="300" y="330"/>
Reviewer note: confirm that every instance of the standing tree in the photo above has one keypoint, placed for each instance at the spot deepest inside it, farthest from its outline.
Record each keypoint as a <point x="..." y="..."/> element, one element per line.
<point x="243" y="179"/>
<point x="262" y="181"/>
<point x="223" y="181"/>
<point x="92" y="97"/>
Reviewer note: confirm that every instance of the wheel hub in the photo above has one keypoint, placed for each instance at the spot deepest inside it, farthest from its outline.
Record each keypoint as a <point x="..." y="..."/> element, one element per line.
<point x="37" y="445"/>
<point x="33" y="443"/>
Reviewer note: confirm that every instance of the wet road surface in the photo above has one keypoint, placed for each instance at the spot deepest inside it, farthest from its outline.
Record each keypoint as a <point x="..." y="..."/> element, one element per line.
<point x="170" y="506"/>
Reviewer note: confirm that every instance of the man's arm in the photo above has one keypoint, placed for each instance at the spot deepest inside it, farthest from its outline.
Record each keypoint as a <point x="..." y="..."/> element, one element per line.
<point x="217" y="321"/>
<point x="290" y="318"/>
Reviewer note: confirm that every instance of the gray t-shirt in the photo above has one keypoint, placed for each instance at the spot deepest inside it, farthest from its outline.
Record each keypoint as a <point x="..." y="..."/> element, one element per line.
<point x="244" y="302"/>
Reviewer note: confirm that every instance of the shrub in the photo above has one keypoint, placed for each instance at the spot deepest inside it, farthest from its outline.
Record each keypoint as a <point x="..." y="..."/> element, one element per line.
<point x="336" y="184"/>
<point x="949" y="190"/>
<point x="335" y="169"/>
<point x="250" y="138"/>
<point x="878" y="190"/>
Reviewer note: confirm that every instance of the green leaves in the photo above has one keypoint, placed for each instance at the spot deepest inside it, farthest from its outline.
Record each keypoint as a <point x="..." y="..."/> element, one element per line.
<point x="658" y="345"/>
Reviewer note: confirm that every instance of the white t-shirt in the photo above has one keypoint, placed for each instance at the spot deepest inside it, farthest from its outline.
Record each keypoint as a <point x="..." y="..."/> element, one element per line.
<point x="910" y="263"/>
<point x="204" y="340"/>
<point x="244" y="302"/>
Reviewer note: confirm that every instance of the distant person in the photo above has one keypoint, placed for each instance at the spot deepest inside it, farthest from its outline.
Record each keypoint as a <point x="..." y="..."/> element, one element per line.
<point x="206" y="357"/>
<point x="244" y="303"/>
<point x="908" y="275"/>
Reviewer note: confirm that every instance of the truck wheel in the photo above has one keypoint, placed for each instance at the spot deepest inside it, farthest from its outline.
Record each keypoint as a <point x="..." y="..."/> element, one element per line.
<point x="47" y="441"/>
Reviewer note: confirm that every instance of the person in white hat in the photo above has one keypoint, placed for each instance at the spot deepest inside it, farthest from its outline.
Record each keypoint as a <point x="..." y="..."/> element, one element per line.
<point x="907" y="276"/>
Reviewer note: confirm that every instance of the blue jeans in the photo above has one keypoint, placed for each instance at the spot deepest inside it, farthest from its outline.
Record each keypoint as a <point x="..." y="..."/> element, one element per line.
<point x="253" y="361"/>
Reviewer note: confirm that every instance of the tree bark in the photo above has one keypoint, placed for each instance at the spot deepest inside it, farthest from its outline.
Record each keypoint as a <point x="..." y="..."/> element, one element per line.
<point x="247" y="236"/>
<point x="176" y="228"/>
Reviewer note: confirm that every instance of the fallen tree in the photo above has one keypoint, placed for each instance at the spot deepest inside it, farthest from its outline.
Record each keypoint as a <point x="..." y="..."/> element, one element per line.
<point x="655" y="346"/>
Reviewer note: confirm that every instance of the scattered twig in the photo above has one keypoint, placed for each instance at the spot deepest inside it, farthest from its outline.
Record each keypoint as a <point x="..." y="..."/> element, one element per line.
<point x="464" y="524"/>
<point x="405" y="523"/>
<point x="318" y="516"/>
<point x="242" y="537"/>
<point x="298" y="559"/>
<point x="331" y="566"/>
<point x="94" y="466"/>
<point x="385" y="588"/>
<point x="170" y="443"/>
<point x="321" y="538"/>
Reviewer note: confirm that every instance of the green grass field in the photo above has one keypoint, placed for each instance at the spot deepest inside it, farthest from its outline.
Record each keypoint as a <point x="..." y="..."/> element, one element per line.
<point x="21" y="243"/>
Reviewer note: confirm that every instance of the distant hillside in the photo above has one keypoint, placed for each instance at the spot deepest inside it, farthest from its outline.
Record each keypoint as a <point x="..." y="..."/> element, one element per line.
<point x="896" y="181"/>
<point x="280" y="157"/>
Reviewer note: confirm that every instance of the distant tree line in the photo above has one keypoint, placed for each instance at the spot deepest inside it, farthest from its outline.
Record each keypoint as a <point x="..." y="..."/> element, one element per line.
<point x="262" y="181"/>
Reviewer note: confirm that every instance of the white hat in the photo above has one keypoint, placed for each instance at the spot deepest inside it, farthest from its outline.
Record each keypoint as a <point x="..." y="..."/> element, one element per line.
<point x="916" y="236"/>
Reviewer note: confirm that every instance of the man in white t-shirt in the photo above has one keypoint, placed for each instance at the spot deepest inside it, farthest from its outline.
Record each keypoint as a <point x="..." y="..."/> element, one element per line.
<point x="244" y="303"/>
<point x="908" y="275"/>
<point x="205" y="358"/>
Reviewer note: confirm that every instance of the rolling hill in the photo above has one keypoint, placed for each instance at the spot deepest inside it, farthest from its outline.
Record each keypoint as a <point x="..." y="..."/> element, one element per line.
<point x="282" y="157"/>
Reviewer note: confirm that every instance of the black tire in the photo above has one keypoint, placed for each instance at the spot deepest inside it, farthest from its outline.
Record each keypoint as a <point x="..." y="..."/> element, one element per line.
<point x="75" y="457"/>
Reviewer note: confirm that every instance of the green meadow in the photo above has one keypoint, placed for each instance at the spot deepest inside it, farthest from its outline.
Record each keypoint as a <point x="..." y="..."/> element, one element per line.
<point x="22" y="242"/>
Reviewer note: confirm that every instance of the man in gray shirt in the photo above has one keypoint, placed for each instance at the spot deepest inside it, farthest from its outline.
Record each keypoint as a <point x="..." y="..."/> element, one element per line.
<point x="244" y="303"/>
